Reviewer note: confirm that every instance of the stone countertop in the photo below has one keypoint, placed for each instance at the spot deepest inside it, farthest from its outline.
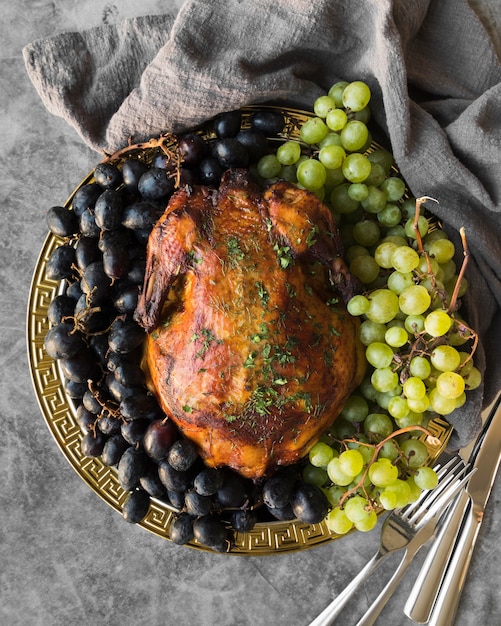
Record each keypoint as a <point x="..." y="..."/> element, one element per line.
<point x="68" y="559"/>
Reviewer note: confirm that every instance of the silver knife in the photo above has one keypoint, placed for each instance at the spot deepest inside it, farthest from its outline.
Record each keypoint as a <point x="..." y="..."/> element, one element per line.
<point x="439" y="585"/>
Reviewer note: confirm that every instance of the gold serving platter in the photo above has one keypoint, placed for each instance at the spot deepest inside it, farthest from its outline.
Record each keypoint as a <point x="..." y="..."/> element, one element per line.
<point x="59" y="412"/>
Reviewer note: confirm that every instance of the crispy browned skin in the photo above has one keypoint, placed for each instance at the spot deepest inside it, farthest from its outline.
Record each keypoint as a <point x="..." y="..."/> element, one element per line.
<point x="251" y="350"/>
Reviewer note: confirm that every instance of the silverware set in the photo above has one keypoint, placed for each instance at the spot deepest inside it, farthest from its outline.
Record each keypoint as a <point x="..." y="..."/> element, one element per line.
<point x="450" y="515"/>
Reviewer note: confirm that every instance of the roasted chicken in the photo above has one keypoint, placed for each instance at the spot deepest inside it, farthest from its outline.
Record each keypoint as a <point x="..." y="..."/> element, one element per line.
<point x="250" y="349"/>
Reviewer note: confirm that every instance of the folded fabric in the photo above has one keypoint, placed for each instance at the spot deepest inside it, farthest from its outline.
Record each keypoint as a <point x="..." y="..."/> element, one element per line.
<point x="432" y="68"/>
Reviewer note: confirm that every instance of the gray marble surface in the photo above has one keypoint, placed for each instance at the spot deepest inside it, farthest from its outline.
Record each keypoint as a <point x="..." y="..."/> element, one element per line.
<point x="66" y="558"/>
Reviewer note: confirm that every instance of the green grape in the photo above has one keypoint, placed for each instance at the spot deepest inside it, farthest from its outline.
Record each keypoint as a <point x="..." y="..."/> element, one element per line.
<point x="355" y="409"/>
<point x="414" y="300"/>
<point x="405" y="259"/>
<point x="379" y="354"/>
<point x="375" y="201"/>
<point x="414" y="324"/>
<point x="332" y="157"/>
<point x="354" y="136"/>
<point x="356" y="167"/>
<point x="383" y="158"/>
<point x="288" y="173"/>
<point x="311" y="174"/>
<point x="448" y="270"/>
<point x="289" y="152"/>
<point x="333" y="178"/>
<point x="356" y="250"/>
<point x="371" y="331"/>
<point x="315" y="475"/>
<point x="411" y="419"/>
<point x="414" y="388"/>
<point x="336" y="119"/>
<point x="351" y="462"/>
<point x="336" y="473"/>
<point x="364" y="115"/>
<point x="358" y="305"/>
<point x="366" y="232"/>
<point x="439" y="404"/>
<point x="383" y="254"/>
<point x="340" y="199"/>
<point x="383" y="307"/>
<point x="426" y="478"/>
<point x="383" y="397"/>
<point x="394" y="188"/>
<point x="465" y="363"/>
<point x="415" y="452"/>
<point x="364" y="268"/>
<point x="450" y="385"/>
<point x="419" y="405"/>
<point x="445" y="358"/>
<point x="336" y="92"/>
<point x="331" y="139"/>
<point x="442" y="250"/>
<point x="414" y="489"/>
<point x="368" y="523"/>
<point x="376" y="176"/>
<point x="396" y="337"/>
<point x="358" y="191"/>
<point x="382" y="472"/>
<point x="313" y="130"/>
<point x="356" y="96"/>
<point x="357" y="508"/>
<point x="367" y="390"/>
<point x="323" y="105"/>
<point x="337" y="522"/>
<point x="401" y="490"/>
<point x="320" y="454"/>
<point x="388" y="499"/>
<point x="390" y="450"/>
<point x="437" y="323"/>
<point x="384" y="379"/>
<point x="378" y="424"/>
<point x="398" y="281"/>
<point x="334" y="494"/>
<point x="269" y="166"/>
<point x="422" y="227"/>
<point x="390" y="215"/>
<point x="398" y="407"/>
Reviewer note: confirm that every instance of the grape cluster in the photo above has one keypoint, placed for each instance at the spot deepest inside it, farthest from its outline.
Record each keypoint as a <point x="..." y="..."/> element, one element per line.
<point x="100" y="263"/>
<point x="418" y="348"/>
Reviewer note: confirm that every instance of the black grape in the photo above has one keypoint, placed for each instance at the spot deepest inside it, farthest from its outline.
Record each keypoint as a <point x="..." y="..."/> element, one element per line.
<point x="181" y="529"/>
<point x="92" y="444"/>
<point x="61" y="306"/>
<point x="155" y="184"/>
<point x="132" y="170"/>
<point x="230" y="153"/>
<point x="210" y="531"/>
<point x="107" y="175"/>
<point x="269" y="122"/>
<point x="227" y="124"/>
<point x="182" y="455"/>
<point x="309" y="503"/>
<point x="130" y="468"/>
<point x="113" y="450"/>
<point x="62" y="341"/>
<point x="61" y="221"/>
<point x="125" y="335"/>
<point x="108" y="210"/>
<point x="136" y="506"/>
<point x="192" y="149"/>
<point x="85" y="197"/>
<point x="60" y="263"/>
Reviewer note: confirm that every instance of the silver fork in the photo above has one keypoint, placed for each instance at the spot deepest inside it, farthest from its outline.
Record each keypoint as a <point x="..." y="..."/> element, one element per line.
<point x="408" y="528"/>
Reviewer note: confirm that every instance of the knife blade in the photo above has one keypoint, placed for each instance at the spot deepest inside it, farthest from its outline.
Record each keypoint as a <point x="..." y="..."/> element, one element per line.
<point x="439" y="585"/>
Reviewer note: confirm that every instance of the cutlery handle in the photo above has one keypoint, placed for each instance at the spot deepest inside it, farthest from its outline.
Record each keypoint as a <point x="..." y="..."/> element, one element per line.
<point x="329" y="614"/>
<point x="378" y="605"/>
<point x="444" y="611"/>
<point x="424" y="592"/>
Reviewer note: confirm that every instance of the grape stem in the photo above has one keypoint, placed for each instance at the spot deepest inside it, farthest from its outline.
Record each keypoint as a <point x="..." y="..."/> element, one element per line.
<point x="377" y="449"/>
<point x="466" y="257"/>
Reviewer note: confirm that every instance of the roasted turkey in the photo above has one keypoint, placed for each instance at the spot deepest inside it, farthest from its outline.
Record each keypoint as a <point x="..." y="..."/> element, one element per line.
<point x="250" y="349"/>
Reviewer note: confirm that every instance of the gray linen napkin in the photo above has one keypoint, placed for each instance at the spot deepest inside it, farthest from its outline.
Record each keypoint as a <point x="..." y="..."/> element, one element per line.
<point x="432" y="68"/>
